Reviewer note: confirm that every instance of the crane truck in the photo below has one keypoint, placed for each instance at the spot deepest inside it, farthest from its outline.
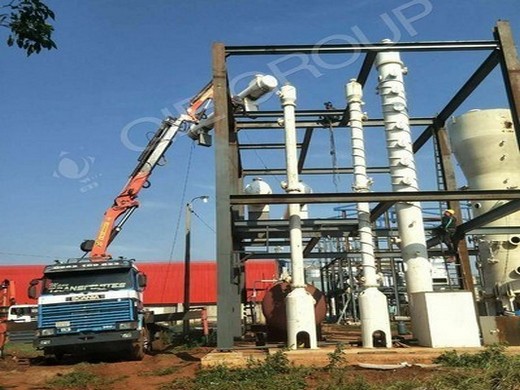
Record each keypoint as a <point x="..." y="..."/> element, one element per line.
<point x="95" y="303"/>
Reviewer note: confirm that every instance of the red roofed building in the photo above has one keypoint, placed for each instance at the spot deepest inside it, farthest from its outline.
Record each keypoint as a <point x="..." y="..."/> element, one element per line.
<point x="166" y="281"/>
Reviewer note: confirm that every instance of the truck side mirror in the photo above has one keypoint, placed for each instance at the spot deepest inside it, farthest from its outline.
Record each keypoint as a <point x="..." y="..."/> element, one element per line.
<point x="33" y="292"/>
<point x="141" y="280"/>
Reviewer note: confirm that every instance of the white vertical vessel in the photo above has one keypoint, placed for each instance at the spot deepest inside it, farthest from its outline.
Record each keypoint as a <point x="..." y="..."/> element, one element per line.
<point x="373" y="304"/>
<point x="402" y="170"/>
<point x="301" y="322"/>
<point x="485" y="146"/>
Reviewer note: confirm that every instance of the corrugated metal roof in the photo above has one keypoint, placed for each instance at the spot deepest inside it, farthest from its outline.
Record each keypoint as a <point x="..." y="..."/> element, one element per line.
<point x="165" y="280"/>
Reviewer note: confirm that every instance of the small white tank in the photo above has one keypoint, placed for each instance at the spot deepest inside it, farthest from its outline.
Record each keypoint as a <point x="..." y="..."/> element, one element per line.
<point x="258" y="187"/>
<point x="485" y="146"/>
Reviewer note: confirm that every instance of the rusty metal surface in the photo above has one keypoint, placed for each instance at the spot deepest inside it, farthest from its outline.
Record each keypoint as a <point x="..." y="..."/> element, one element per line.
<point x="273" y="305"/>
<point x="501" y="329"/>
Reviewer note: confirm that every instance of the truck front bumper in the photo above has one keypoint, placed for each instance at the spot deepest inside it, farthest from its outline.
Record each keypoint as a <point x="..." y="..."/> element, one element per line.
<point x="84" y="339"/>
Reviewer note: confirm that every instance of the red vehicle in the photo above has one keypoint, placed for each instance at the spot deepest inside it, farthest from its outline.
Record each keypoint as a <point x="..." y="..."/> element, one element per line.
<point x="7" y="299"/>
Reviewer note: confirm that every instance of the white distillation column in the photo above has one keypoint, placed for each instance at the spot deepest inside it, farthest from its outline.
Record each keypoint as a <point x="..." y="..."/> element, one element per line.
<point x="373" y="305"/>
<point x="485" y="146"/>
<point x="402" y="170"/>
<point x="299" y="303"/>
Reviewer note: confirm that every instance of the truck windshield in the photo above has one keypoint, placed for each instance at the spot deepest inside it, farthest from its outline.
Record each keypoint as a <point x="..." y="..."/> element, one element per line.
<point x="84" y="282"/>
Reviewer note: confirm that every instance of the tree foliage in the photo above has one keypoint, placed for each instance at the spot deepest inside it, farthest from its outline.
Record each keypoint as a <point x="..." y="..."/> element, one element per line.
<point x="27" y="21"/>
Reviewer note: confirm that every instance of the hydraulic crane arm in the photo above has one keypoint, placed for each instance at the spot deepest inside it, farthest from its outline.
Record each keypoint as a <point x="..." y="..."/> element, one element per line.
<point x="200" y="124"/>
<point x="126" y="202"/>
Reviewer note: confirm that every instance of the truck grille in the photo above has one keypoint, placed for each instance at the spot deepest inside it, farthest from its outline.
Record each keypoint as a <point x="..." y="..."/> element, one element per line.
<point x="76" y="317"/>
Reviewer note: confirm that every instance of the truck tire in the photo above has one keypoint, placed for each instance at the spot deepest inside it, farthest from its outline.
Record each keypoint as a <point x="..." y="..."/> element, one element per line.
<point x="137" y="348"/>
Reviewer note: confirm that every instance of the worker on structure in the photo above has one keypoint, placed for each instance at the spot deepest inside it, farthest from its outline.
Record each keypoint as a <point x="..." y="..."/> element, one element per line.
<point x="446" y="230"/>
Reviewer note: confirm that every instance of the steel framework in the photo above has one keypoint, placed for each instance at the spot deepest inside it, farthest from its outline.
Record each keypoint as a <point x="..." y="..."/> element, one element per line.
<point x="239" y="239"/>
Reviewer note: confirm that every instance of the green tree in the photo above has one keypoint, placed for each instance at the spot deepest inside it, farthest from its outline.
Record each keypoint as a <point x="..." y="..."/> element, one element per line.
<point x="27" y="21"/>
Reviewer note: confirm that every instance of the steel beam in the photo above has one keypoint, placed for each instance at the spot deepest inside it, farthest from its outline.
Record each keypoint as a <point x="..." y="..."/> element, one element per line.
<point x="298" y="113"/>
<point x="476" y="78"/>
<point x="310" y="246"/>
<point x="264" y="146"/>
<point x="337" y="255"/>
<point x="274" y="125"/>
<point x="368" y="62"/>
<point x="490" y="216"/>
<point x="510" y="65"/>
<point x="361" y="48"/>
<point x="311" y="171"/>
<point x="419" y="196"/>
<point x="379" y="210"/>
<point x="305" y="148"/>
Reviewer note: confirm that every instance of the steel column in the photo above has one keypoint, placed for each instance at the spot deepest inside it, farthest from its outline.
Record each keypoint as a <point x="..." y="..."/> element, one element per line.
<point x="451" y="185"/>
<point x="228" y="291"/>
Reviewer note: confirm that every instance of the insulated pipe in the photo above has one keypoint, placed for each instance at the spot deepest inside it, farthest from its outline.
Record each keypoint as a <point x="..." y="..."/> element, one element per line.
<point x="372" y="302"/>
<point x="402" y="170"/>
<point x="299" y="303"/>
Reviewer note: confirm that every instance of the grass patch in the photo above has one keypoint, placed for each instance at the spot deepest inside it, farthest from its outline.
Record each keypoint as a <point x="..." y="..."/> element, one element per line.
<point x="274" y="373"/>
<point x="491" y="356"/>
<point x="161" y="371"/>
<point x="490" y="369"/>
<point x="81" y="378"/>
<point x="21" y="350"/>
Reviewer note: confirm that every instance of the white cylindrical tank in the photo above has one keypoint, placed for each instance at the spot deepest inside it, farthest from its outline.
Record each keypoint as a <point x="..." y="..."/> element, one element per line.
<point x="258" y="187"/>
<point x="484" y="143"/>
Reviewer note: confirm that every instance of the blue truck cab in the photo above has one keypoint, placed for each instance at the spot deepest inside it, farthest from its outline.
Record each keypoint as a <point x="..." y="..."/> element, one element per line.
<point x="90" y="307"/>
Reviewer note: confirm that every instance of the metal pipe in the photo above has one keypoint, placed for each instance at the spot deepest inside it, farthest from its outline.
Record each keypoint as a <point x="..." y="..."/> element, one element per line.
<point x="299" y="303"/>
<point x="372" y="302"/>
<point x="403" y="171"/>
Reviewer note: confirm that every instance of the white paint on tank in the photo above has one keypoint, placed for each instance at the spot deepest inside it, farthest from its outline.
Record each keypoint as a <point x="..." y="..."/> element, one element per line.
<point x="484" y="144"/>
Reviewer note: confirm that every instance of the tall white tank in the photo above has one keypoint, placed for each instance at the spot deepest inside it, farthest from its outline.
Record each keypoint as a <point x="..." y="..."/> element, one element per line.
<point x="258" y="187"/>
<point x="485" y="146"/>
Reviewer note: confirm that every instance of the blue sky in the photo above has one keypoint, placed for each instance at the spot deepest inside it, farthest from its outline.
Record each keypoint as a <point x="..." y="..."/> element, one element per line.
<point x="73" y="118"/>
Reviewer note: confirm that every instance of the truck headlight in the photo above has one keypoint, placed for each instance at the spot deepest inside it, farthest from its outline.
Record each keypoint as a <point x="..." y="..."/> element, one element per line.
<point x="127" y="325"/>
<point x="46" y="332"/>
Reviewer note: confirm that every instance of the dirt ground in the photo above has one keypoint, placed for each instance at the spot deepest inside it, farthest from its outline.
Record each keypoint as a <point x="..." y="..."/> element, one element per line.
<point x="18" y="371"/>
<point x="15" y="373"/>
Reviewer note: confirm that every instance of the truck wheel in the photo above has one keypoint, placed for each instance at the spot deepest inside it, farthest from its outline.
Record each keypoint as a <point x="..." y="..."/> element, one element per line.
<point x="137" y="351"/>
